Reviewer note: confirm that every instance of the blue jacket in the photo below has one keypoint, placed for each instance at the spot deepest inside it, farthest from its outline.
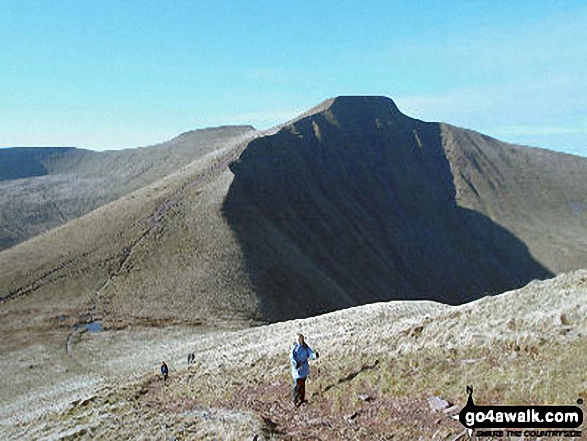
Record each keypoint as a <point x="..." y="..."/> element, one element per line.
<point x="301" y="354"/>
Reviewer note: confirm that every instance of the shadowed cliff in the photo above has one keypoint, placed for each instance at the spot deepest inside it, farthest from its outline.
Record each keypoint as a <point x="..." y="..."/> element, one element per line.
<point x="355" y="203"/>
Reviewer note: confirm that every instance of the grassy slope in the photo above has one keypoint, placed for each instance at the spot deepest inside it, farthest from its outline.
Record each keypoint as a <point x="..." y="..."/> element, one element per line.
<point x="80" y="272"/>
<point x="538" y="195"/>
<point x="42" y="188"/>
<point x="120" y="264"/>
<point x="527" y="346"/>
<point x="353" y="203"/>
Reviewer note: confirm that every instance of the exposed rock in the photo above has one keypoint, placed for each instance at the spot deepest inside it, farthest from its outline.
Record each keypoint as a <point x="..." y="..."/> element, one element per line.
<point x="416" y="331"/>
<point x="437" y="403"/>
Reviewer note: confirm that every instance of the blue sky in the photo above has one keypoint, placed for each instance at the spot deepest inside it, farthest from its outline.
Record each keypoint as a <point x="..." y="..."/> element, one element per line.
<point x="115" y="74"/>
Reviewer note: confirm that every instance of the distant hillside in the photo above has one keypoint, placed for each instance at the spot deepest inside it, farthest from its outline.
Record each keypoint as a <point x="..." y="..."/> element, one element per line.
<point x="26" y="162"/>
<point x="351" y="203"/>
<point x="41" y="188"/>
<point x="537" y="195"/>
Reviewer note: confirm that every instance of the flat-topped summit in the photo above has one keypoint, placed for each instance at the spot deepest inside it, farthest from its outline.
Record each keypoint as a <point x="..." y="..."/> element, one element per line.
<point x="353" y="106"/>
<point x="354" y="202"/>
<point x="362" y="104"/>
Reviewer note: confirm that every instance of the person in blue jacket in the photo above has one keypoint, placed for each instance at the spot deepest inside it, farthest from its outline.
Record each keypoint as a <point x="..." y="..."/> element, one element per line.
<point x="299" y="356"/>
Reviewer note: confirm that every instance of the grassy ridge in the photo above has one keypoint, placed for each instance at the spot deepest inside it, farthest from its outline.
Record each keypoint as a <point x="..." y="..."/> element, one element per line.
<point x="42" y="188"/>
<point x="527" y="346"/>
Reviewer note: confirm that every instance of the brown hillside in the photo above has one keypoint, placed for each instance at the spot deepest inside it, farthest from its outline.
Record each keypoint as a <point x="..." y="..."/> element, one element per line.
<point x="351" y="203"/>
<point x="538" y="195"/>
<point x="42" y="188"/>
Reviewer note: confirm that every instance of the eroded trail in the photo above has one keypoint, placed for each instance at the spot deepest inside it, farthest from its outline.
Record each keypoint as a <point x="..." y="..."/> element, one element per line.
<point x="325" y="417"/>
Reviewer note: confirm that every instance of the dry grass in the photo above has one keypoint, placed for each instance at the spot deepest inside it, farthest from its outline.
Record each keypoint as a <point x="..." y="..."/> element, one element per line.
<point x="136" y="260"/>
<point x="527" y="346"/>
<point x="58" y="185"/>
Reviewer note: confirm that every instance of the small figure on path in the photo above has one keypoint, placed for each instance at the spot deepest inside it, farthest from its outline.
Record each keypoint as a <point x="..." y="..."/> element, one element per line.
<point x="164" y="370"/>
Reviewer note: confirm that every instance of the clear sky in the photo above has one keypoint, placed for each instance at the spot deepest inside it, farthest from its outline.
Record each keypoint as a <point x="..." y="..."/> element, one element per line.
<point x="122" y="73"/>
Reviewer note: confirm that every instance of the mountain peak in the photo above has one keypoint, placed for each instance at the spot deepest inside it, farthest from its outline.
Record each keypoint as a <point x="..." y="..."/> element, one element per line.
<point x="345" y="107"/>
<point x="372" y="107"/>
<point x="363" y="100"/>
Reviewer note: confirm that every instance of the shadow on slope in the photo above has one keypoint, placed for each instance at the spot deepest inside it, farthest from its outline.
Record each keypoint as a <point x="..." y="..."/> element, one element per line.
<point x="356" y="204"/>
<point x="27" y="162"/>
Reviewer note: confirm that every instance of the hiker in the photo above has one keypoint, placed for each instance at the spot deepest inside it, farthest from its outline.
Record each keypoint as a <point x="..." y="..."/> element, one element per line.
<point x="164" y="370"/>
<point x="191" y="358"/>
<point x="299" y="356"/>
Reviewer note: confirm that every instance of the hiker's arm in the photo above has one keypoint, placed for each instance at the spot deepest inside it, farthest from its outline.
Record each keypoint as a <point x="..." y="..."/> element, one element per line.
<point x="313" y="355"/>
<point x="295" y="363"/>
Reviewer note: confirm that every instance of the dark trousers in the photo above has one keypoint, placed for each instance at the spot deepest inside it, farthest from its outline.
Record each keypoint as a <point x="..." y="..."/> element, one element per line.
<point x="299" y="391"/>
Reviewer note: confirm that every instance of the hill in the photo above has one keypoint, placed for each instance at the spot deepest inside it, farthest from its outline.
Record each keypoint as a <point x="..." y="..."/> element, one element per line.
<point x="356" y="202"/>
<point x="41" y="188"/>
<point x="379" y="365"/>
<point x="351" y="203"/>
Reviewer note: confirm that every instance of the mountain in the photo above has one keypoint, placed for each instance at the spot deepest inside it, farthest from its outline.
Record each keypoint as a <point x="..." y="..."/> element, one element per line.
<point x="190" y="246"/>
<point x="356" y="202"/>
<point x="42" y="188"/>
<point x="349" y="204"/>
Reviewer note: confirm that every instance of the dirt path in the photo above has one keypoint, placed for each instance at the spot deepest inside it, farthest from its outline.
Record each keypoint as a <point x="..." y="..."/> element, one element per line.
<point x="321" y="418"/>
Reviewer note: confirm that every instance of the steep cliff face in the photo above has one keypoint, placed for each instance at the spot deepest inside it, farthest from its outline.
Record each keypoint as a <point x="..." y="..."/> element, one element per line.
<point x="356" y="203"/>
